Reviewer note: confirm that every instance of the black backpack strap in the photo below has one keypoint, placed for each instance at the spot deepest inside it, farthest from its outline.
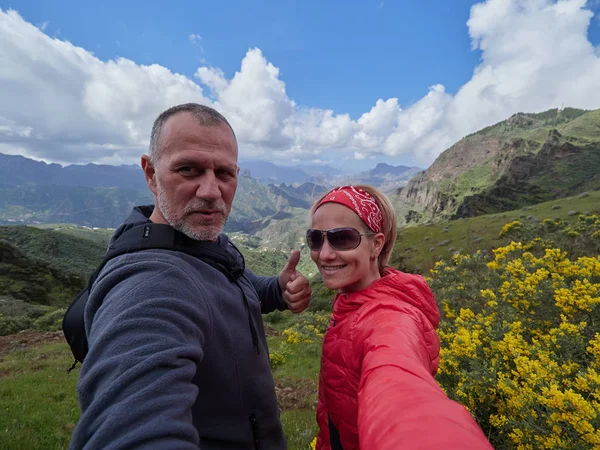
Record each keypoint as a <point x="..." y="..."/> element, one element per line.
<point x="159" y="236"/>
<point x="334" y="436"/>
<point x="145" y="237"/>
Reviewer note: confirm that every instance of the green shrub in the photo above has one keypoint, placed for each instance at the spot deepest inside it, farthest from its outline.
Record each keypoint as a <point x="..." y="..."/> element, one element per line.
<point x="14" y="324"/>
<point x="51" y="321"/>
<point x="16" y="307"/>
<point x="321" y="298"/>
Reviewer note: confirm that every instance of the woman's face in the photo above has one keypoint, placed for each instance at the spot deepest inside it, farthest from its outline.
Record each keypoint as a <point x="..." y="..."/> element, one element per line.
<point x="345" y="270"/>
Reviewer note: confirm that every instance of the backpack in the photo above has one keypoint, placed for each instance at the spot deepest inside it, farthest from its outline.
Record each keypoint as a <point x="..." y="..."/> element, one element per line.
<point x="139" y="238"/>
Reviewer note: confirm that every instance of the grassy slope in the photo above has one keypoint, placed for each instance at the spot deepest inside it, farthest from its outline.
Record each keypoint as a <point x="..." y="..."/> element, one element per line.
<point x="418" y="248"/>
<point x="586" y="126"/>
<point x="33" y="281"/>
<point x="39" y="406"/>
<point x="571" y="174"/>
<point x="70" y="250"/>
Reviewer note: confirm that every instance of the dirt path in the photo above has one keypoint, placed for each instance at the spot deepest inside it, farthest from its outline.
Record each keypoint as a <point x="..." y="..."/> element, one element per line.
<point x="27" y="339"/>
<point x="299" y="396"/>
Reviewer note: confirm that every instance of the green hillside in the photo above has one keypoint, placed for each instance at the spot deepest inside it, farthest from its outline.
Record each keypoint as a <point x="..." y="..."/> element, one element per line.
<point x="70" y="250"/>
<point x="34" y="281"/>
<point x="526" y="159"/>
<point x="419" y="247"/>
<point x="73" y="252"/>
<point x="586" y="126"/>
<point x="99" y="207"/>
<point x="533" y="126"/>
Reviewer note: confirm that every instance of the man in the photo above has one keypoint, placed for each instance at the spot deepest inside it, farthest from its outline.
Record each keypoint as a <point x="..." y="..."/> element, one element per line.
<point x="177" y="353"/>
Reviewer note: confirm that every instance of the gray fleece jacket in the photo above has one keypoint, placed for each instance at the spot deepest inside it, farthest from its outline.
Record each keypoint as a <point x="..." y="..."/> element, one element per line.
<point x="171" y="362"/>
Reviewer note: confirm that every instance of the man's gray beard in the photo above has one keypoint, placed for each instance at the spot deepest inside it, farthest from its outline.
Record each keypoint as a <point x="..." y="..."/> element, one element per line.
<point x="209" y="232"/>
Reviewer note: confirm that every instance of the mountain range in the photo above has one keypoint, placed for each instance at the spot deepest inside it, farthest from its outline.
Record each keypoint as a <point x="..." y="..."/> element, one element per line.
<point x="102" y="195"/>
<point x="524" y="160"/>
<point x="270" y="173"/>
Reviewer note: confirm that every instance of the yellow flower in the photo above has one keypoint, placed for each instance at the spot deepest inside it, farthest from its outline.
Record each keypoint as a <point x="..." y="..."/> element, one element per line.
<point x="515" y="225"/>
<point x="523" y="356"/>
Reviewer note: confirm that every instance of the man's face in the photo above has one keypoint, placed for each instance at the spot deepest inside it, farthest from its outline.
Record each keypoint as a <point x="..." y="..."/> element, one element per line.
<point x="195" y="176"/>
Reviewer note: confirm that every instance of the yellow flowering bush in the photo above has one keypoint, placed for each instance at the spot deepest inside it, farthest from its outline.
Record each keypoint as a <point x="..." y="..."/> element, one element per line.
<point x="520" y="339"/>
<point x="307" y="329"/>
<point x="579" y="238"/>
<point x="279" y="357"/>
<point x="510" y="228"/>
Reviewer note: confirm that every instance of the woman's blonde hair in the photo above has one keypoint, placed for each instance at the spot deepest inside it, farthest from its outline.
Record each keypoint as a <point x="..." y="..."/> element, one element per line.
<point x="389" y="222"/>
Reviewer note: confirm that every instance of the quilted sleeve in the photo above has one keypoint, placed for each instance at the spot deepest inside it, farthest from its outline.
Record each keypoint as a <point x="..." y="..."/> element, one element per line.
<point x="400" y="404"/>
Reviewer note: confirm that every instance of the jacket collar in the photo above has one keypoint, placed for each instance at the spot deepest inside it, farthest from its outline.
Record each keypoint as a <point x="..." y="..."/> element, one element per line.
<point x="396" y="285"/>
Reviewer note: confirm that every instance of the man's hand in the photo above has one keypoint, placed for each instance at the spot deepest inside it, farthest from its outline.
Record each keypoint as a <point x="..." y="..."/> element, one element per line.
<point x="294" y="286"/>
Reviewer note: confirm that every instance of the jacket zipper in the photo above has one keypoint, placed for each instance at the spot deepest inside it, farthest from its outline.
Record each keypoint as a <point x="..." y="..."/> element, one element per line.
<point x="254" y="424"/>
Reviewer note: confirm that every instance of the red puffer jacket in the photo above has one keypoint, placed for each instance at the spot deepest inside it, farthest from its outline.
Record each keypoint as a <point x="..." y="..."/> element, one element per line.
<point x="376" y="387"/>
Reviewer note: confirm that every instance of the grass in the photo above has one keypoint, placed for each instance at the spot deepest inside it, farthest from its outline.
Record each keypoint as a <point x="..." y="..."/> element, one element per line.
<point x="37" y="397"/>
<point x="300" y="427"/>
<point x="586" y="126"/>
<point x="299" y="374"/>
<point x="473" y="180"/>
<point x="39" y="408"/>
<point x="418" y="248"/>
<point x="303" y="366"/>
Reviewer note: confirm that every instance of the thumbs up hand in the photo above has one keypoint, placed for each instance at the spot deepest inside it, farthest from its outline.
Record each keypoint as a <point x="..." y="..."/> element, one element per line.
<point x="294" y="286"/>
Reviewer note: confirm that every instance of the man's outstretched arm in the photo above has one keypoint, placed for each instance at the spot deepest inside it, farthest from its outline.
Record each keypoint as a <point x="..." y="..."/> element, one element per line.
<point x="145" y="341"/>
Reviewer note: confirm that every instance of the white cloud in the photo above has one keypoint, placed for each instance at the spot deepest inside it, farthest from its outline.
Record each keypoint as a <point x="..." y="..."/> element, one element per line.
<point x="8" y="129"/>
<point x="74" y="106"/>
<point x="194" y="38"/>
<point x="254" y="100"/>
<point x="535" y="55"/>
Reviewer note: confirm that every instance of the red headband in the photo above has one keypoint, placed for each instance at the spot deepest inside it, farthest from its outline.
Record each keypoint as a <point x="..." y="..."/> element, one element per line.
<point x="359" y="201"/>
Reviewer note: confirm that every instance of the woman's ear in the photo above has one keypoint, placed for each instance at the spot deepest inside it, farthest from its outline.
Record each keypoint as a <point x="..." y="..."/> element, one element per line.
<point x="378" y="243"/>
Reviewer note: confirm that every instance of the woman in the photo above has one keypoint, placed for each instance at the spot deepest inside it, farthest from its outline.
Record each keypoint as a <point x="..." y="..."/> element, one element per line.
<point x="380" y="351"/>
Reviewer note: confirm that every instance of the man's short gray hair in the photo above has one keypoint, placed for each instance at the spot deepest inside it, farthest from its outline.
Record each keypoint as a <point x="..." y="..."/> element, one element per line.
<point x="204" y="115"/>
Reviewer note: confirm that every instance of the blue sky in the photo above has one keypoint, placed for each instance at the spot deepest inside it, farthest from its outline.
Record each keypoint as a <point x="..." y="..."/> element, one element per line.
<point x="332" y="54"/>
<point x="342" y="56"/>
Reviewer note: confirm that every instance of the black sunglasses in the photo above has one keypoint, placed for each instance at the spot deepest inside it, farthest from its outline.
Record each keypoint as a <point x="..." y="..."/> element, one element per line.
<point x="338" y="238"/>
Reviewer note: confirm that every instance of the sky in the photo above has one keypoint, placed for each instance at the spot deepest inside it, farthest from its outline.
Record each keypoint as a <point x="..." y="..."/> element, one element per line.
<point x="346" y="83"/>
